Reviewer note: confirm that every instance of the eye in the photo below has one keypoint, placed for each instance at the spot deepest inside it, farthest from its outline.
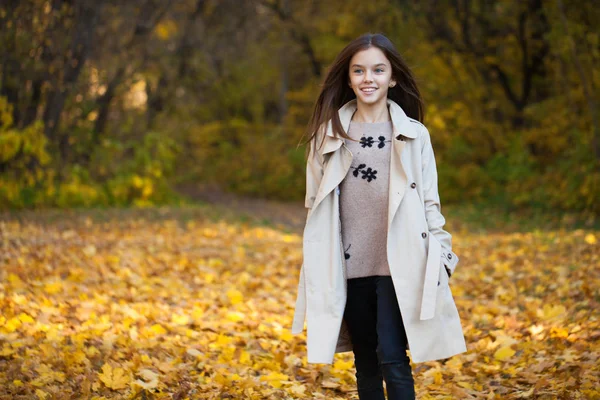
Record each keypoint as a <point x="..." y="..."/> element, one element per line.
<point x="379" y="70"/>
<point x="357" y="71"/>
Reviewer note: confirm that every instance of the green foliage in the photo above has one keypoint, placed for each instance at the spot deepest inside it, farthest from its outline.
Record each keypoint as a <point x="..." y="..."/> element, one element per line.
<point x="23" y="161"/>
<point x="142" y="180"/>
<point x="221" y="92"/>
<point x="127" y="173"/>
<point x="249" y="158"/>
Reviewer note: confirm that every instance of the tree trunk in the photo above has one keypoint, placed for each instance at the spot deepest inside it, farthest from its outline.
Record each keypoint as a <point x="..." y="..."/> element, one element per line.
<point x="590" y="98"/>
<point x="86" y="17"/>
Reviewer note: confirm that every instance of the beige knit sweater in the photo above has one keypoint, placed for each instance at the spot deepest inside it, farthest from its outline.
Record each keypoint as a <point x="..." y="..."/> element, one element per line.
<point x="364" y="199"/>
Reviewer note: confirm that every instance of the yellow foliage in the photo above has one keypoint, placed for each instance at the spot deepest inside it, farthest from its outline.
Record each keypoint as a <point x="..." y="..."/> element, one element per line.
<point x="504" y="353"/>
<point x="160" y="307"/>
<point x="165" y="29"/>
<point x="114" y="378"/>
<point x="235" y="296"/>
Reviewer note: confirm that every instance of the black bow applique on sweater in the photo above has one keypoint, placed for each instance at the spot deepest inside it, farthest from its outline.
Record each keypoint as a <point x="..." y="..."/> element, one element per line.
<point x="367" y="173"/>
<point x="368" y="141"/>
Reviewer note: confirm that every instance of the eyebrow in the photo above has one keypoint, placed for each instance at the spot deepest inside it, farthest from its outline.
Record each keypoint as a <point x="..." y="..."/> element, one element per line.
<point x="358" y="65"/>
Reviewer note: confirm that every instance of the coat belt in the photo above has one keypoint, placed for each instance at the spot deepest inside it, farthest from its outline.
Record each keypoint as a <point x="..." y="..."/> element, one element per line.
<point x="432" y="274"/>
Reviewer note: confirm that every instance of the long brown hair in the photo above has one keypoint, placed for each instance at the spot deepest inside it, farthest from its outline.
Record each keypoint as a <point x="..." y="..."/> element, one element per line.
<point x="335" y="91"/>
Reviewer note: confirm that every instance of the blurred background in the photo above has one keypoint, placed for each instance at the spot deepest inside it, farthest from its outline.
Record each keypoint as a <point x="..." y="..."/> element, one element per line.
<point x="148" y="149"/>
<point x="144" y="102"/>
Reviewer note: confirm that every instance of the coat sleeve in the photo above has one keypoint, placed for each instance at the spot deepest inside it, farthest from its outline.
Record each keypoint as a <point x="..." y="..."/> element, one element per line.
<point x="314" y="172"/>
<point x="431" y="198"/>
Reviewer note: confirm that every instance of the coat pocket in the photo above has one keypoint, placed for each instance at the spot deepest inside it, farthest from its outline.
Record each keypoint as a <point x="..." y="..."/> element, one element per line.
<point x="443" y="277"/>
<point x="445" y="307"/>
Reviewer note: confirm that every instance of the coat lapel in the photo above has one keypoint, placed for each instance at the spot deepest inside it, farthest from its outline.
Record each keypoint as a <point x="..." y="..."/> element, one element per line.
<point x="403" y="128"/>
<point x="340" y="158"/>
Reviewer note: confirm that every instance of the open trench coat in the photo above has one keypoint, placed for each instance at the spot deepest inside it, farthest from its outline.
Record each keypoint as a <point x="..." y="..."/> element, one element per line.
<point x="419" y="250"/>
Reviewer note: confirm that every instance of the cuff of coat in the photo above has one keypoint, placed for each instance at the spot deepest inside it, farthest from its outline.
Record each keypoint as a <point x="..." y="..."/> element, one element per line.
<point x="449" y="259"/>
<point x="309" y="201"/>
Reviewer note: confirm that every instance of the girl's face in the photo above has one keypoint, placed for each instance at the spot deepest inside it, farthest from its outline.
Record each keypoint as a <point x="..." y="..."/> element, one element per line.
<point x="370" y="76"/>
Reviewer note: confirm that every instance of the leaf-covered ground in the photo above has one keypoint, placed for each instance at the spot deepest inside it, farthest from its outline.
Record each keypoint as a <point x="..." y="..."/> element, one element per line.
<point x="159" y="306"/>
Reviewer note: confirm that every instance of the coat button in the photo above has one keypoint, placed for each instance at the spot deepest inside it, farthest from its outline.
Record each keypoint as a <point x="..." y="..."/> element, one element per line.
<point x="424" y="235"/>
<point x="413" y="185"/>
<point x="449" y="256"/>
<point x="438" y="283"/>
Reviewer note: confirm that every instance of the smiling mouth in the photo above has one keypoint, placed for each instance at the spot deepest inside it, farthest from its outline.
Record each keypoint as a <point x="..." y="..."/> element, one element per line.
<point x="368" y="90"/>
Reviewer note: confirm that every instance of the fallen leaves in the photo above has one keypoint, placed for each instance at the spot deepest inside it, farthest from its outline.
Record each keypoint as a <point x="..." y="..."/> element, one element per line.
<point x="504" y="353"/>
<point x="203" y="310"/>
<point x="114" y="378"/>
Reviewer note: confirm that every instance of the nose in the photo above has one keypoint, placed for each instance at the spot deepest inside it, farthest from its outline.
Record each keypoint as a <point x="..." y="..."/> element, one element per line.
<point x="368" y="76"/>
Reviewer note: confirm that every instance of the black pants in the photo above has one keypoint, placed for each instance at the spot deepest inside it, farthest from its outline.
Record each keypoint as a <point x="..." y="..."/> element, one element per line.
<point x="379" y="340"/>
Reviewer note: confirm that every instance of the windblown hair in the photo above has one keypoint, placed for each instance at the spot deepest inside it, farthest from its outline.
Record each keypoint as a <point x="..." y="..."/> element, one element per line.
<point x="335" y="91"/>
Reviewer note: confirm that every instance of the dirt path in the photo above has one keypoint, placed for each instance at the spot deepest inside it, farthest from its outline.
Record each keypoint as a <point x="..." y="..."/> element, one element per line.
<point x="286" y="215"/>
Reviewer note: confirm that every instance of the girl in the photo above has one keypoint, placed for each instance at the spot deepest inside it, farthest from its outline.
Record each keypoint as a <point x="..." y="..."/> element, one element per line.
<point x="376" y="259"/>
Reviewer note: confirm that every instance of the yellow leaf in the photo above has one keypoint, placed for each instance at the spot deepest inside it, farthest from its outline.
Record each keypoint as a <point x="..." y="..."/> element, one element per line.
<point x="180" y="319"/>
<point x="150" y="379"/>
<point x="504" y="353"/>
<point x="235" y="316"/>
<point x="53" y="287"/>
<point x="235" y="296"/>
<point x="19" y="299"/>
<point x="466" y="385"/>
<point x="297" y="389"/>
<point x="12" y="324"/>
<point x="244" y="357"/>
<point x="438" y="377"/>
<point x="329" y="384"/>
<point x="41" y="394"/>
<point x="114" y="378"/>
<point x="551" y="312"/>
<point x="286" y="335"/>
<point x="47" y="374"/>
<point x="76" y="357"/>
<point x="89" y="250"/>
<point x="223" y="340"/>
<point x="15" y="281"/>
<point x="194" y="353"/>
<point x="590" y="238"/>
<point x="290" y="238"/>
<point x="197" y="314"/>
<point x="559" y="332"/>
<point x="158" y="329"/>
<point x="454" y="363"/>
<point x="343" y="365"/>
<point x="165" y="29"/>
<point x="24" y="318"/>
<point x="7" y="350"/>
<point x="137" y="181"/>
<point x="275" y="379"/>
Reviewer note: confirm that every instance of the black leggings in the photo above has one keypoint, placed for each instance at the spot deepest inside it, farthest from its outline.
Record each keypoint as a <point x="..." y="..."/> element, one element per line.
<point x="379" y="340"/>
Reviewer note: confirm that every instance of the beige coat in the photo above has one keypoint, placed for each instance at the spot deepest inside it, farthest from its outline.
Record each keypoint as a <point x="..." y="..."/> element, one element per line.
<point x="418" y="247"/>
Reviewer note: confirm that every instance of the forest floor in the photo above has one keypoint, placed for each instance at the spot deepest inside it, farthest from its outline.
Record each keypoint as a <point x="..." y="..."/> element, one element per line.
<point x="196" y="302"/>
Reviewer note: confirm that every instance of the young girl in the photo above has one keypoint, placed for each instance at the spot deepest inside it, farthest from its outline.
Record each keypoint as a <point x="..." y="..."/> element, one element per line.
<point x="376" y="259"/>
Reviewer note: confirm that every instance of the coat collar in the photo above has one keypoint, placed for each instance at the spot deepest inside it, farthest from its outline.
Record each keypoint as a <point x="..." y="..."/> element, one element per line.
<point x="402" y="125"/>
